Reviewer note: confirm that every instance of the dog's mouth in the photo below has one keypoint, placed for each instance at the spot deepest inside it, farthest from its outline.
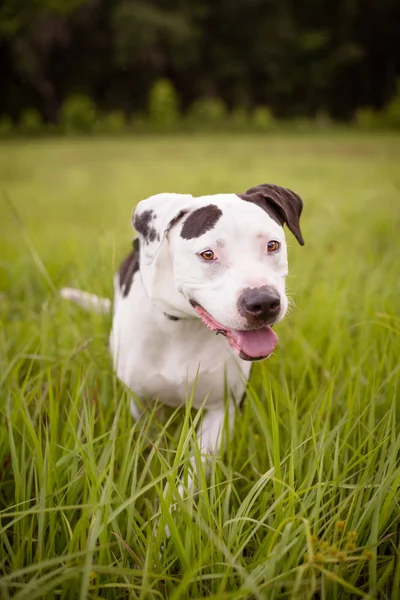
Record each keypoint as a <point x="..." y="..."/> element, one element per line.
<point x="254" y="344"/>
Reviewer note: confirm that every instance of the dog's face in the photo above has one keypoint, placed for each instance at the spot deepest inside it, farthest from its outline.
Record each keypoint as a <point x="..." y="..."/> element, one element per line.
<point x="222" y="258"/>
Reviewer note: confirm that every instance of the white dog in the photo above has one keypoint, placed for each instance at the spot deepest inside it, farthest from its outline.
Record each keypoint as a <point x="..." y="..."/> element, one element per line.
<point x="202" y="266"/>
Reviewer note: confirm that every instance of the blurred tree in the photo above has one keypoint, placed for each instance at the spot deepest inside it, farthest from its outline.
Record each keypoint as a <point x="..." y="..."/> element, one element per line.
<point x="32" y="30"/>
<point x="299" y="58"/>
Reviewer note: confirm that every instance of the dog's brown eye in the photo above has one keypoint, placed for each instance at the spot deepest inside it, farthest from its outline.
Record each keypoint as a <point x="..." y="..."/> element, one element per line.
<point x="207" y="255"/>
<point x="273" y="246"/>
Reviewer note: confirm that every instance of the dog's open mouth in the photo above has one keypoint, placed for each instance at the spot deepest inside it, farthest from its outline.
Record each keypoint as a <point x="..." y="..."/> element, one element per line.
<point x="254" y="344"/>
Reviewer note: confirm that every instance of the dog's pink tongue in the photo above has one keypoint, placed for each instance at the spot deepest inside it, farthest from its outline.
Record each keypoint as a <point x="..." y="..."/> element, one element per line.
<point x="255" y="344"/>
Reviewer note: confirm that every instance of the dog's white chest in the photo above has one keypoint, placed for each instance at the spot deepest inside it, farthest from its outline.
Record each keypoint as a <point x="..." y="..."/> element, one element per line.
<point x="159" y="358"/>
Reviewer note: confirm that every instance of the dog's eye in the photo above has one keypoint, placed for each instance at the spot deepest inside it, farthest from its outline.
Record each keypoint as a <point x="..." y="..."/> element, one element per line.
<point x="207" y="255"/>
<point x="273" y="246"/>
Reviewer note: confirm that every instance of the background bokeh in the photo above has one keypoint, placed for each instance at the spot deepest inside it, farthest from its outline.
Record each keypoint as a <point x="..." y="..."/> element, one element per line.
<point x="111" y="65"/>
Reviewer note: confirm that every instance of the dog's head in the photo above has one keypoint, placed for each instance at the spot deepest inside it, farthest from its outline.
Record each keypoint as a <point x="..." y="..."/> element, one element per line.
<point x="222" y="258"/>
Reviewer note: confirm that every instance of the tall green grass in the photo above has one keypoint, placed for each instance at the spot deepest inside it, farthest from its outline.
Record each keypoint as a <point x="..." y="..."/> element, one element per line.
<point x="304" y="502"/>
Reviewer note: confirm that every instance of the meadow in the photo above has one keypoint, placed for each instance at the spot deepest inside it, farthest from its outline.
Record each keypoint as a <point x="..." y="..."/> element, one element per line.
<point x="304" y="502"/>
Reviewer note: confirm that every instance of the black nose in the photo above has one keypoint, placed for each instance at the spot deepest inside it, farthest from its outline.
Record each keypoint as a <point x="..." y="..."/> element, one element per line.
<point x="259" y="304"/>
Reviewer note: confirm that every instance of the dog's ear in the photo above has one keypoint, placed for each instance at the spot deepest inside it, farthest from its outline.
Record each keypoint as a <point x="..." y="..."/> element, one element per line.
<point x="155" y="216"/>
<point x="283" y="205"/>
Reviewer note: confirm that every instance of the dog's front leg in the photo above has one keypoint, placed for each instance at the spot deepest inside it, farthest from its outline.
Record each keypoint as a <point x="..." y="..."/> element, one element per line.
<point x="209" y="435"/>
<point x="209" y="438"/>
<point x="135" y="410"/>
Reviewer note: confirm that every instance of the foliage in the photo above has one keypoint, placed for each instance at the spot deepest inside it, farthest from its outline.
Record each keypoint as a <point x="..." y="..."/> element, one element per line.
<point x="138" y="123"/>
<point x="296" y="59"/>
<point x="207" y="112"/>
<point x="112" y="123"/>
<point x="304" y="124"/>
<point x="368" y="118"/>
<point x="322" y="120"/>
<point x="263" y="119"/>
<point x="78" y="115"/>
<point x="163" y="105"/>
<point x="387" y="118"/>
<point x="31" y="122"/>
<point x="17" y="15"/>
<point x="391" y="114"/>
<point x="239" y="119"/>
<point x="146" y="33"/>
<point x="6" y="126"/>
<point x="304" y="501"/>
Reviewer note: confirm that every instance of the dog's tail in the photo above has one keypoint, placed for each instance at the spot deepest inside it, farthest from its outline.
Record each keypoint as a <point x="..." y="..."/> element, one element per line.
<point x="85" y="300"/>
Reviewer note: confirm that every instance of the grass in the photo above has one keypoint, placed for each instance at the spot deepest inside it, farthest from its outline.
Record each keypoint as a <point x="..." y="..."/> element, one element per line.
<point x="304" y="503"/>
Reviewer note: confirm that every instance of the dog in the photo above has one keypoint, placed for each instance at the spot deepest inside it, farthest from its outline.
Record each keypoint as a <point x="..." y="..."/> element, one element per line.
<point x="197" y="297"/>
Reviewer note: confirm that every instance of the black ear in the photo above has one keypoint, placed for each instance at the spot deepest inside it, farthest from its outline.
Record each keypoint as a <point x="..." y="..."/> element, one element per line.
<point x="283" y="205"/>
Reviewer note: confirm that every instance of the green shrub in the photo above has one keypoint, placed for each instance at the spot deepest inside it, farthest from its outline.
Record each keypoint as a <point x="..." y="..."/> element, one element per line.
<point x="163" y="105"/>
<point x="301" y="123"/>
<point x="388" y="118"/>
<point x="239" y="119"/>
<point x="78" y="115"/>
<point x="115" y="122"/>
<point x="323" y="120"/>
<point x="263" y="119"/>
<point x="112" y="123"/>
<point x="207" y="111"/>
<point x="138" y="122"/>
<point x="368" y="118"/>
<point x="6" y="127"/>
<point x="30" y="122"/>
<point x="391" y="114"/>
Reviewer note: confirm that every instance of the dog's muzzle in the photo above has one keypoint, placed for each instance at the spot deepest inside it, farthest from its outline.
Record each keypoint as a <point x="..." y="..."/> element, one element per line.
<point x="259" y="306"/>
<point x="250" y="344"/>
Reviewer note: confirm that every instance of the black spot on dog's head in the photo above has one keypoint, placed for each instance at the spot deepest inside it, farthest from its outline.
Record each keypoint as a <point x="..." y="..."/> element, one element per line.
<point x="142" y="224"/>
<point x="200" y="221"/>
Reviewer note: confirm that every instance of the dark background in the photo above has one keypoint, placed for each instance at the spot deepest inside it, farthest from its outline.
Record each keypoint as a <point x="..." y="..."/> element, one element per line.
<point x="297" y="57"/>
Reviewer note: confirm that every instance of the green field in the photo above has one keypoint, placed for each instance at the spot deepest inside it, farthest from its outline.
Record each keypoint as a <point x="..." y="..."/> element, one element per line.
<point x="304" y="503"/>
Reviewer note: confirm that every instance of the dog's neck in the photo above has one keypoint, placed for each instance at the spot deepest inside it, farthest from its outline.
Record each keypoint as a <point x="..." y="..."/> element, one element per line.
<point x="172" y="318"/>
